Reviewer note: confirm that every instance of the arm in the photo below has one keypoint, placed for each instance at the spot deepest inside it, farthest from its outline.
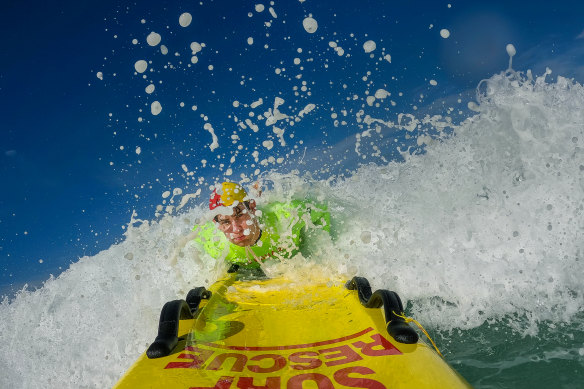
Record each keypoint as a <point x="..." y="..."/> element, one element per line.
<point x="319" y="215"/>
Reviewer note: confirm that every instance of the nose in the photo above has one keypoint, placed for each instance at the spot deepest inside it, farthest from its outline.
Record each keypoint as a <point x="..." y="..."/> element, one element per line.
<point x="235" y="226"/>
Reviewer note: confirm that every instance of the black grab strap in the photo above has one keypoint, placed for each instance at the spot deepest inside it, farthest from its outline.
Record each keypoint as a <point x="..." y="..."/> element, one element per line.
<point x="393" y="309"/>
<point x="172" y="312"/>
<point x="195" y="296"/>
<point x="363" y="288"/>
<point x="167" y="339"/>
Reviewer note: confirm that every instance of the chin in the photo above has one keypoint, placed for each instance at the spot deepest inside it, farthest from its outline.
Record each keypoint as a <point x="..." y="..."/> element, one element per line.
<point x="242" y="243"/>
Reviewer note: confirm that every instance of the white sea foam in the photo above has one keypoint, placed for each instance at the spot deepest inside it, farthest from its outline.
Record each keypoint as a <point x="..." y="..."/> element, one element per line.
<point x="485" y="224"/>
<point x="489" y="221"/>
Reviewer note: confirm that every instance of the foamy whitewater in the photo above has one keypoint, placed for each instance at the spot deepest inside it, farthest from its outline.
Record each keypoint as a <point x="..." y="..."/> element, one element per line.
<point x="482" y="235"/>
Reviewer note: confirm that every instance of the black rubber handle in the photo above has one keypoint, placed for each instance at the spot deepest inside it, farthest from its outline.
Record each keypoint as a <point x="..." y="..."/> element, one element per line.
<point x="167" y="339"/>
<point x="172" y="312"/>
<point x="397" y="327"/>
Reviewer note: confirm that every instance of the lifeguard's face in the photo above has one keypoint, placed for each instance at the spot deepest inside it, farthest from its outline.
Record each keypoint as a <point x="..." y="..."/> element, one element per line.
<point x="241" y="227"/>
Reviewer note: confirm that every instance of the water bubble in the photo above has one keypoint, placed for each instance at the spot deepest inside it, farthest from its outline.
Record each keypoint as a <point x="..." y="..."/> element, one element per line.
<point x="366" y="237"/>
<point x="511" y="50"/>
<point x="153" y="39"/>
<point x="196" y="47"/>
<point x="141" y="66"/>
<point x="369" y="46"/>
<point x="185" y="19"/>
<point x="155" y="108"/>
<point x="473" y="106"/>
<point x="310" y="25"/>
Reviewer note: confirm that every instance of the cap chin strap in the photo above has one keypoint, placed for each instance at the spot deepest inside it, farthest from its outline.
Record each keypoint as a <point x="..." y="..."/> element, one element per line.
<point x="258" y="239"/>
<point x="248" y="251"/>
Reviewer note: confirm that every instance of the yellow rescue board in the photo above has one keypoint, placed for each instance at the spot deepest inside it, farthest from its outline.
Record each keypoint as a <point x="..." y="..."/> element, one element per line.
<point x="278" y="333"/>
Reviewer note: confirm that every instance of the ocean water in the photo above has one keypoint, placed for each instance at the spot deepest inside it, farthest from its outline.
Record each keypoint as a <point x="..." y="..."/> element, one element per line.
<point x="481" y="235"/>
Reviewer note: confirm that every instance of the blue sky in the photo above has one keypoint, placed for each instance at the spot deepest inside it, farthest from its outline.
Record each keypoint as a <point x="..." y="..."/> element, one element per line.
<point x="68" y="157"/>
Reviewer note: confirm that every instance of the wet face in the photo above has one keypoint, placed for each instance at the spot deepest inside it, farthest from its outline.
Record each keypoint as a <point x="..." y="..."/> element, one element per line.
<point x="241" y="228"/>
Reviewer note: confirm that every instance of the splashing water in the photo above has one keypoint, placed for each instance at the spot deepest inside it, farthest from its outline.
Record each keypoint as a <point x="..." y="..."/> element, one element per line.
<point x="490" y="219"/>
<point x="481" y="234"/>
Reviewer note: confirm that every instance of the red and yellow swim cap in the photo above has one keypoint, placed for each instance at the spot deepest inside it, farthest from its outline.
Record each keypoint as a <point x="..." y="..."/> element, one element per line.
<point x="226" y="194"/>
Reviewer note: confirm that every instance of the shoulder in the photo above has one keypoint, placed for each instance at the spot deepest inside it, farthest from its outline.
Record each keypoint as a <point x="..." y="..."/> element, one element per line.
<point x="210" y="239"/>
<point x="205" y="230"/>
<point x="283" y="207"/>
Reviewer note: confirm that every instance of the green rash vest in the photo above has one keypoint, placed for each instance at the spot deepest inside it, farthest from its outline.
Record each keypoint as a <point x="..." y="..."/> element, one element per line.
<point x="283" y="228"/>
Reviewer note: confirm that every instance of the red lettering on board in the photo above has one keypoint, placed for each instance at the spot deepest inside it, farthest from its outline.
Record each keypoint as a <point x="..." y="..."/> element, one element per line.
<point x="279" y="363"/>
<point x="342" y="351"/>
<point x="299" y="357"/>
<point x="342" y="377"/>
<point x="322" y="381"/>
<point x="224" y="382"/>
<point x="247" y="383"/>
<point x="382" y="347"/>
<point x="196" y="359"/>
<point x="238" y="364"/>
